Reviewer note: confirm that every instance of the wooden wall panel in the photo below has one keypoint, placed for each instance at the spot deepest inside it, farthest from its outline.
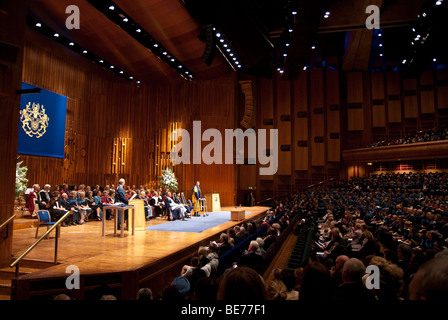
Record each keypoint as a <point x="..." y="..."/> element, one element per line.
<point x="355" y="100"/>
<point x="284" y="126"/>
<point x="377" y="85"/>
<point x="102" y="109"/>
<point x="301" y="117"/>
<point x="378" y="116"/>
<point x="332" y="112"/>
<point x="410" y="98"/>
<point x="317" y="123"/>
<point x="265" y="114"/>
<point x="442" y="89"/>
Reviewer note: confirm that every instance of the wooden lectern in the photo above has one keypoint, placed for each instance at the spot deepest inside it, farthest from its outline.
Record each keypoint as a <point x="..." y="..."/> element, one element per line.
<point x="213" y="202"/>
<point x="140" y="221"/>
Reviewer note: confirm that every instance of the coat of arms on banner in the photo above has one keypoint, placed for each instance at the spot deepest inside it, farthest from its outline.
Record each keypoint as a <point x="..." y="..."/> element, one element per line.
<point x="34" y="120"/>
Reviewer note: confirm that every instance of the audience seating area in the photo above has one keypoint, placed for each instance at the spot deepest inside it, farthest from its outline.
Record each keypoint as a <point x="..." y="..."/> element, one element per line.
<point x="434" y="134"/>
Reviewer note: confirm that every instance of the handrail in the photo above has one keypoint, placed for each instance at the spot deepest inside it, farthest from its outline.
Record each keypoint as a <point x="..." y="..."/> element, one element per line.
<point x="16" y="262"/>
<point x="4" y="224"/>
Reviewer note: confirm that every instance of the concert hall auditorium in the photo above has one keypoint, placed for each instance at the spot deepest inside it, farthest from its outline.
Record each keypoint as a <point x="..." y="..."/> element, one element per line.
<point x="216" y="158"/>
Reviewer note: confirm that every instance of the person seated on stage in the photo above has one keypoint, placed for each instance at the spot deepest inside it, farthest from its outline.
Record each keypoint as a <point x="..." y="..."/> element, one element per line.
<point x="98" y="205"/>
<point x="73" y="219"/>
<point x="177" y="198"/>
<point x="56" y="210"/>
<point x="83" y="206"/>
<point x="107" y="199"/>
<point x="175" y="208"/>
<point x="148" y="211"/>
<point x="46" y="196"/>
<point x="74" y="207"/>
<point x="156" y="203"/>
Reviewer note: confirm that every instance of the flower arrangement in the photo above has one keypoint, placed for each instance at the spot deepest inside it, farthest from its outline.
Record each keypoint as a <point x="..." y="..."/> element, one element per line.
<point x="21" y="181"/>
<point x="168" y="180"/>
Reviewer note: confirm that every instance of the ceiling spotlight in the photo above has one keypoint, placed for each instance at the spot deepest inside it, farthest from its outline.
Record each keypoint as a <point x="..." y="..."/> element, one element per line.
<point x="138" y="82"/>
<point x="435" y="60"/>
<point x="221" y="40"/>
<point x="439" y="2"/>
<point x="38" y="24"/>
<point x="381" y="54"/>
<point x="380" y="45"/>
<point x="56" y="35"/>
<point x="125" y="19"/>
<point x="165" y="53"/>
<point x="313" y="47"/>
<point x="111" y="8"/>
<point x="155" y="45"/>
<point x="404" y="61"/>
<point x="380" y="34"/>
<point x="85" y="51"/>
<point x="111" y="67"/>
<point x="131" y="77"/>
<point x="304" y="68"/>
<point x="225" y="45"/>
<point x="121" y="72"/>
<point x="71" y="44"/>
<point x="228" y="50"/>
<point x="285" y="54"/>
<point x="139" y="30"/>
<point x="287" y="44"/>
<point x="218" y="34"/>
<point x="180" y="66"/>
<point x="294" y="12"/>
<point x="290" y="30"/>
<point x="101" y="61"/>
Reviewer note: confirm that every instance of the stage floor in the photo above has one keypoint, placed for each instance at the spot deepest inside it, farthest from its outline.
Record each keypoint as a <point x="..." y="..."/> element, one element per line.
<point x="85" y="247"/>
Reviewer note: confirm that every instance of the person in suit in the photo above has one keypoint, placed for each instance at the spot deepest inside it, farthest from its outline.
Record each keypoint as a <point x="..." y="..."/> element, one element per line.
<point x="56" y="210"/>
<point x="73" y="219"/>
<point x="73" y="206"/>
<point x="120" y="197"/>
<point x="179" y="209"/>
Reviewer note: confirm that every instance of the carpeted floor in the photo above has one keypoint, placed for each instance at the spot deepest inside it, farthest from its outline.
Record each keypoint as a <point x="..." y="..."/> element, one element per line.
<point x="194" y="224"/>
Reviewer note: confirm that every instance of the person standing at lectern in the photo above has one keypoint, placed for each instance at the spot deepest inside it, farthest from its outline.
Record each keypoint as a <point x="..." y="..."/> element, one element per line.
<point x="120" y="196"/>
<point x="196" y="196"/>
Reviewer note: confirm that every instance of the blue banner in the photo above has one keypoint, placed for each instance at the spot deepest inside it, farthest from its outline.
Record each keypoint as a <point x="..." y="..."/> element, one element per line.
<point x="42" y="123"/>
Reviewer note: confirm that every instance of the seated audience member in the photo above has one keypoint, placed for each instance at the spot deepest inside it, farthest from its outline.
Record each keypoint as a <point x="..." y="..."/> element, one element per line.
<point x="144" y="294"/>
<point x="336" y="270"/>
<point x="242" y="284"/>
<point x="431" y="281"/>
<point x="391" y="280"/>
<point x="156" y="203"/>
<point x="223" y="245"/>
<point x="270" y="238"/>
<point x="206" y="289"/>
<point x="83" y="207"/>
<point x="46" y="195"/>
<point x="276" y="288"/>
<point x="98" y="205"/>
<point x="315" y="283"/>
<point x="74" y="207"/>
<point x="147" y="207"/>
<point x="56" y="210"/>
<point x="289" y="279"/>
<point x="252" y="258"/>
<point x="177" y="209"/>
<point x="239" y="234"/>
<point x="108" y="199"/>
<point x="352" y="287"/>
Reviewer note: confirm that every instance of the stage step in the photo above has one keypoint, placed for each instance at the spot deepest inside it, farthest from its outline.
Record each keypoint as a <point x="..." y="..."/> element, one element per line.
<point x="8" y="273"/>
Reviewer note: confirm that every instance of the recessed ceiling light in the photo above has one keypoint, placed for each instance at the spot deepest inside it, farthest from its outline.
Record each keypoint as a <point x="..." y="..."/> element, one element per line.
<point x="71" y="44"/>
<point x="85" y="51"/>
<point x="38" y="25"/>
<point x="139" y="30"/>
<point x="56" y="35"/>
<point x="111" y="8"/>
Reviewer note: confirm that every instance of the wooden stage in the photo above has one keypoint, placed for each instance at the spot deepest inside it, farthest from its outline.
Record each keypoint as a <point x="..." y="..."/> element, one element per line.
<point x="157" y="256"/>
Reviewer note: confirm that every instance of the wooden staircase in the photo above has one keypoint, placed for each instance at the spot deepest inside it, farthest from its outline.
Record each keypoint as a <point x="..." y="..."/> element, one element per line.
<point x="26" y="267"/>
